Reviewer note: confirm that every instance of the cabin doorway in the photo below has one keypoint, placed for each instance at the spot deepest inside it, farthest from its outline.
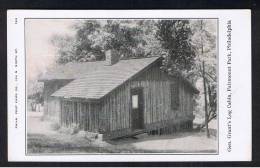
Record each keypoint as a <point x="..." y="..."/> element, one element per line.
<point x="137" y="108"/>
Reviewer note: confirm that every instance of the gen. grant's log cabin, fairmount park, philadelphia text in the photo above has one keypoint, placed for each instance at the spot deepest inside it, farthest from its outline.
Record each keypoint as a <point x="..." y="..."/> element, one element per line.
<point x="229" y="90"/>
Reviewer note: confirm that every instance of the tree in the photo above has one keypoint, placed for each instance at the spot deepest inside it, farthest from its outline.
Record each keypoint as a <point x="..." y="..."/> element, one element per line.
<point x="190" y="51"/>
<point x="35" y="94"/>
<point x="151" y="45"/>
<point x="204" y="40"/>
<point x="125" y="38"/>
<point x="175" y="38"/>
<point x="65" y="47"/>
<point x="93" y="38"/>
<point x="87" y="35"/>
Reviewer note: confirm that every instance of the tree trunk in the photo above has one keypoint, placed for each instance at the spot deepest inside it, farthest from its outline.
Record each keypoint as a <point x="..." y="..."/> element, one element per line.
<point x="205" y="97"/>
<point x="209" y="119"/>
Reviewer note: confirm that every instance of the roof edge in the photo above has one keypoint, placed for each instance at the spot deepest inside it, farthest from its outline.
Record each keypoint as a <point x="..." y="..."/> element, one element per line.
<point x="145" y="68"/>
<point x="93" y="100"/>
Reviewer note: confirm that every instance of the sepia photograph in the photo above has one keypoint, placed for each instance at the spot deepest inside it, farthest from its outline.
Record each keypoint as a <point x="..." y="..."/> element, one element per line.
<point x="122" y="86"/>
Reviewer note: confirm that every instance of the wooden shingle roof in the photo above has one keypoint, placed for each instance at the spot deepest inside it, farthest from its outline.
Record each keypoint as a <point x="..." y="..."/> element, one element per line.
<point x="93" y="80"/>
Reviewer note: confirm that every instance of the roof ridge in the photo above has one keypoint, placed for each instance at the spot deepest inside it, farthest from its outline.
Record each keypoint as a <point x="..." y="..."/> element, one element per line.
<point x="115" y="76"/>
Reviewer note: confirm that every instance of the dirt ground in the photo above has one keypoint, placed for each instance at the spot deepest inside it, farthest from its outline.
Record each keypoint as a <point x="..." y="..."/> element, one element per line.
<point x="41" y="138"/>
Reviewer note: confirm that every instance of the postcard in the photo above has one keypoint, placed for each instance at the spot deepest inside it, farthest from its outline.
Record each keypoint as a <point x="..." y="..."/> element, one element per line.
<point x="129" y="85"/>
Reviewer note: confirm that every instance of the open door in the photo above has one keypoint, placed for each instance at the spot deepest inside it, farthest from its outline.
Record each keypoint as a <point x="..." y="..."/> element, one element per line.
<point x="137" y="108"/>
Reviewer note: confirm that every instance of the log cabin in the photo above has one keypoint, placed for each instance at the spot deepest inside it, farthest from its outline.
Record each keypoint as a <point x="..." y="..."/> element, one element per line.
<point x="118" y="98"/>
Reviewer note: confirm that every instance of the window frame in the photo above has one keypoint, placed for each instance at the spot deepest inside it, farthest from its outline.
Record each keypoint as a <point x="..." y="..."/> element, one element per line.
<point x="175" y="100"/>
<point x="137" y="103"/>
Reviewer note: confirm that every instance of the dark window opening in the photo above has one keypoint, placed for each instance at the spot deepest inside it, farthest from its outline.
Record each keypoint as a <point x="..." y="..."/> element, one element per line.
<point x="75" y="112"/>
<point x="175" y="99"/>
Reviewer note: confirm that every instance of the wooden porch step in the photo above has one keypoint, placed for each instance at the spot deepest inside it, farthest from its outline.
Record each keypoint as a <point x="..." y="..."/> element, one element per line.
<point x="132" y="134"/>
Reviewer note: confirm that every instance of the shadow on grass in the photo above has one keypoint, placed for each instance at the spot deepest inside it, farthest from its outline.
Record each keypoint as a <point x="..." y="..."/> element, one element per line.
<point x="45" y="144"/>
<point x="38" y="143"/>
<point x="144" y="137"/>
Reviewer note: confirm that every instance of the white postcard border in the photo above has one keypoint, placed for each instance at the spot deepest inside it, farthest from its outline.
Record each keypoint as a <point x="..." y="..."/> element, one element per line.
<point x="241" y="83"/>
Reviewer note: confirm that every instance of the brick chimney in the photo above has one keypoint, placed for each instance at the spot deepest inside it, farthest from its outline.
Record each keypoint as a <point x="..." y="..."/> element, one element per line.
<point x="112" y="57"/>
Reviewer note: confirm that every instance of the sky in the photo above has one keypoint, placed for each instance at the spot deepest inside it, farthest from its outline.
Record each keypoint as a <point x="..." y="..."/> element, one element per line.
<point x="40" y="53"/>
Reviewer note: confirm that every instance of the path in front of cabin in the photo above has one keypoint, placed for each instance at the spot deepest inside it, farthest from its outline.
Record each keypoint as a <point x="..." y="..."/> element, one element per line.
<point x="35" y="124"/>
<point x="41" y="132"/>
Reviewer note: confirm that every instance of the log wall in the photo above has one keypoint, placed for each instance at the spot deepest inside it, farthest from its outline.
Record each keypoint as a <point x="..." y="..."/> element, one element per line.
<point x="80" y="114"/>
<point x="116" y="107"/>
<point x="52" y="104"/>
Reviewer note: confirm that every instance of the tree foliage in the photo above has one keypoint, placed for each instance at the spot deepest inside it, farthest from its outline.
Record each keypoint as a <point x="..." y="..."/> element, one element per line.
<point x="175" y="38"/>
<point x="180" y="42"/>
<point x="204" y="40"/>
<point x="125" y="38"/>
<point x="93" y="38"/>
<point x="65" y="46"/>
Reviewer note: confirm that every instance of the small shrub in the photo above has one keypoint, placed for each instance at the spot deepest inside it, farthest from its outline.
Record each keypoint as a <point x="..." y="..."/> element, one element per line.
<point x="73" y="129"/>
<point x="55" y="126"/>
<point x="91" y="135"/>
<point x="64" y="130"/>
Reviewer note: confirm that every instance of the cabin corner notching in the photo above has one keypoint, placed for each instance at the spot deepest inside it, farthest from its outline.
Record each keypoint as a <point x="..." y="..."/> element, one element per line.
<point x="121" y="99"/>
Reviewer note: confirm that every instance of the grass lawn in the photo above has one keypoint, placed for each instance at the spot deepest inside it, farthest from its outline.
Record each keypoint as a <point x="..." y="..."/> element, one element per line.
<point x="38" y="143"/>
<point x="41" y="139"/>
<point x="188" y="143"/>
